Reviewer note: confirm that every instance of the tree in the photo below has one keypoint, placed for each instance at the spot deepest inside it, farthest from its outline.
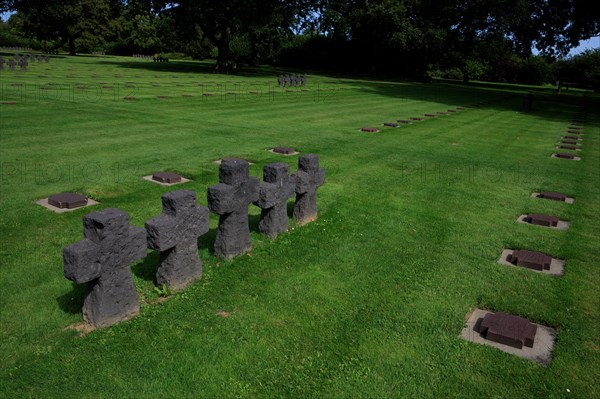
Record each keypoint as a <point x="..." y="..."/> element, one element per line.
<point x="66" y="20"/>
<point x="221" y="21"/>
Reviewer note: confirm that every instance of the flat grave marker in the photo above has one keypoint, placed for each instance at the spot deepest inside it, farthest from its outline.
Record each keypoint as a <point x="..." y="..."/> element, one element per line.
<point x="568" y="147"/>
<point x="284" y="151"/>
<point x="166" y="178"/>
<point x="511" y="334"/>
<point x="564" y="155"/>
<point x="544" y="220"/>
<point x="553" y="196"/>
<point x="535" y="261"/>
<point x="66" y="202"/>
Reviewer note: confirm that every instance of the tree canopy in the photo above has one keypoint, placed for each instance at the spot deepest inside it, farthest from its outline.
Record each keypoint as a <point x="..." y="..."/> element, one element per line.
<point x="397" y="36"/>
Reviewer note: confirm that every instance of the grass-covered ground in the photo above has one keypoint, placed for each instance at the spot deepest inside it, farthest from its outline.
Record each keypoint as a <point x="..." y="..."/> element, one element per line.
<point x="368" y="301"/>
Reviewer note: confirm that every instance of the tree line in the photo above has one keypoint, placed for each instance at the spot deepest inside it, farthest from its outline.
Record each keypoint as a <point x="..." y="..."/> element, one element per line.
<point x="468" y="39"/>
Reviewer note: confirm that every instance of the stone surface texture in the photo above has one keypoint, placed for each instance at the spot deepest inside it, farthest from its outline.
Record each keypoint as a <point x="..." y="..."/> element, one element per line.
<point x="230" y="199"/>
<point x="508" y="329"/>
<point x="309" y="178"/>
<point x="278" y="186"/>
<point x="531" y="259"/>
<point x="542" y="220"/>
<point x="175" y="234"/>
<point x="102" y="258"/>
<point x="166" y="177"/>
<point x="68" y="200"/>
<point x="553" y="196"/>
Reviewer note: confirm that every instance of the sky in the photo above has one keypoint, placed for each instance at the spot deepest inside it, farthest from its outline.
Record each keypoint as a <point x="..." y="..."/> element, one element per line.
<point x="592" y="43"/>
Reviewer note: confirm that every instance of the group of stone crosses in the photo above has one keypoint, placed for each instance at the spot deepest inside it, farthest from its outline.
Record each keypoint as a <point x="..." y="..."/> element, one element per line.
<point x="110" y="243"/>
<point x="22" y="61"/>
<point x="292" y="80"/>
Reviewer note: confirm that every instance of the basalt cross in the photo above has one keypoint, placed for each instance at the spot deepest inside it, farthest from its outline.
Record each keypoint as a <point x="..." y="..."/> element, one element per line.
<point x="175" y="234"/>
<point x="230" y="199"/>
<point x="102" y="258"/>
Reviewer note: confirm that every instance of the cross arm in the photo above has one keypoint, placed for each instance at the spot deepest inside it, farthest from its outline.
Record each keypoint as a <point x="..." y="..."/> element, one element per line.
<point x="221" y="198"/>
<point x="82" y="261"/>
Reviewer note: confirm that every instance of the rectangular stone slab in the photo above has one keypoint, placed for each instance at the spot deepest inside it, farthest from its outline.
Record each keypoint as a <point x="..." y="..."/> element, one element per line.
<point x="551" y="195"/>
<point x="68" y="200"/>
<point x="531" y="259"/>
<point x="567" y="147"/>
<point x="557" y="266"/>
<point x="565" y="155"/>
<point x="541" y="352"/>
<point x="390" y="124"/>
<point x="508" y="329"/>
<point x="166" y="177"/>
<point x="369" y="129"/>
<point x="542" y="220"/>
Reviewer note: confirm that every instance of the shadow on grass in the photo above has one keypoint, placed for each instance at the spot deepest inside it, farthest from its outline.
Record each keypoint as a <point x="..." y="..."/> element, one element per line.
<point x="146" y="270"/>
<point x="72" y="301"/>
<point x="182" y="66"/>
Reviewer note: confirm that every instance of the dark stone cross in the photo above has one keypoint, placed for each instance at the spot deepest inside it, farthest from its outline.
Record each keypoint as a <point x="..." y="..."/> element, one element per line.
<point x="110" y="244"/>
<point x="308" y="179"/>
<point x="230" y="199"/>
<point x="278" y="186"/>
<point x="509" y="330"/>
<point x="175" y="234"/>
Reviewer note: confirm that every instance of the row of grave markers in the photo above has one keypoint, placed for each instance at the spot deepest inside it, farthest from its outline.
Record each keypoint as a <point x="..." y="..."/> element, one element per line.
<point x="411" y="120"/>
<point x="110" y="243"/>
<point x="515" y="334"/>
<point x="22" y="61"/>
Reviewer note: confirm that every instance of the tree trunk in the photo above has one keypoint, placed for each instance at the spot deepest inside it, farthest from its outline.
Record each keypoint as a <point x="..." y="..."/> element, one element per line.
<point x="224" y="52"/>
<point x="72" y="46"/>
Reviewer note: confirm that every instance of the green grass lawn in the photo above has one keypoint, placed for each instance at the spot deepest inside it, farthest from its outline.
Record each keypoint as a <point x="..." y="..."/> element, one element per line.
<point x="368" y="301"/>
